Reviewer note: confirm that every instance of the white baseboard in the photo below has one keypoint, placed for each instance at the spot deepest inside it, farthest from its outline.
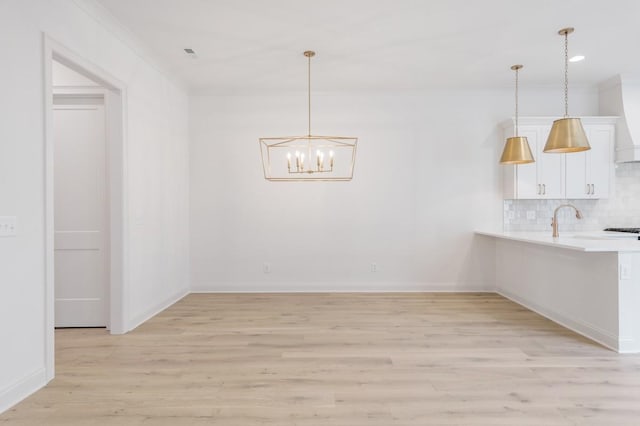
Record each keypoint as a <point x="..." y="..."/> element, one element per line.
<point x="22" y="388"/>
<point x="155" y="310"/>
<point x="587" y="330"/>
<point x="628" y="346"/>
<point x="333" y="287"/>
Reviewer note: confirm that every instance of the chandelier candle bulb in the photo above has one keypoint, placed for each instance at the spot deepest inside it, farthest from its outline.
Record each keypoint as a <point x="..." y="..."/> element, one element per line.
<point x="331" y="160"/>
<point x="289" y="161"/>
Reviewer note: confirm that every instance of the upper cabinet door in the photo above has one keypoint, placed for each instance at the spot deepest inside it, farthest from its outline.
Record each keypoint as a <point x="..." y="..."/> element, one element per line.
<point x="550" y="169"/>
<point x="589" y="172"/>
<point x="600" y="160"/>
<point x="526" y="175"/>
<point x="576" y="174"/>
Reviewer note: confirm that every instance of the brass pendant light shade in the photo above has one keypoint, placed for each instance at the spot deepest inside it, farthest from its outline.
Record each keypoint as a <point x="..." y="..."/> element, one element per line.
<point x="516" y="149"/>
<point x="567" y="134"/>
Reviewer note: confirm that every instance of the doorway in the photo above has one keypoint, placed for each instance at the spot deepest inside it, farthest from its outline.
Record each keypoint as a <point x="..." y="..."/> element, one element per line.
<point x="81" y="228"/>
<point x="106" y="232"/>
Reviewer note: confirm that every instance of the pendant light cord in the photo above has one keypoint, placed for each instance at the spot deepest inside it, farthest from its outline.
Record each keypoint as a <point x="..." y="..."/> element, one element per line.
<point x="309" y="93"/>
<point x="517" y="101"/>
<point x="566" y="74"/>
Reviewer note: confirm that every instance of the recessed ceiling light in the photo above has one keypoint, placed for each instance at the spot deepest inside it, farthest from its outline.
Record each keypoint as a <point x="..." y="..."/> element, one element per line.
<point x="576" y="58"/>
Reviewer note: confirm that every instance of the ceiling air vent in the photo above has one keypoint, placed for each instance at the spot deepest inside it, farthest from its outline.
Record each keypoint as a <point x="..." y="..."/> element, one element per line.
<point x="192" y="53"/>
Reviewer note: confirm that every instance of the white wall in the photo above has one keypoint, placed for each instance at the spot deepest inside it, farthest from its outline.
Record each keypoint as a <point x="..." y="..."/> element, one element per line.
<point x="157" y="156"/>
<point x="426" y="177"/>
<point x="65" y="76"/>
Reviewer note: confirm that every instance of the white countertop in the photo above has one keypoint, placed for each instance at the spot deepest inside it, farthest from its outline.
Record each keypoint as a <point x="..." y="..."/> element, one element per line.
<point x="597" y="241"/>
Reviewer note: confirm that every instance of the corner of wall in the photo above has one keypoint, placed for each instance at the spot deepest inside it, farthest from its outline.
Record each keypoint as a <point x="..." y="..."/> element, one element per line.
<point x="19" y="390"/>
<point x="154" y="310"/>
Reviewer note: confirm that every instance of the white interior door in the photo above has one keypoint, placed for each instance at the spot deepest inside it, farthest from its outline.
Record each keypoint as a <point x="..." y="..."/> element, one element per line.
<point x="80" y="215"/>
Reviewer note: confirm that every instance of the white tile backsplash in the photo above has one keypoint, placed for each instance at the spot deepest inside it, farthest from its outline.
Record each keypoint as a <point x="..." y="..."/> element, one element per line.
<point x="621" y="210"/>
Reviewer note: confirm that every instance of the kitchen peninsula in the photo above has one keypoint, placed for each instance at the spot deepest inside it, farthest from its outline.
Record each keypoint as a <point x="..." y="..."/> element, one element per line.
<point x="588" y="282"/>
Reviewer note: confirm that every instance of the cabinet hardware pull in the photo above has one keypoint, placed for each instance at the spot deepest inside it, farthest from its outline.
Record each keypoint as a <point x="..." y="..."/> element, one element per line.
<point x="588" y="189"/>
<point x="544" y="189"/>
<point x="593" y="189"/>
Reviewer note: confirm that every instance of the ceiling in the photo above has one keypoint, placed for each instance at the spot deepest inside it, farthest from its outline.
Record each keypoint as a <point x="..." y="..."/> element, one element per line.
<point x="257" y="45"/>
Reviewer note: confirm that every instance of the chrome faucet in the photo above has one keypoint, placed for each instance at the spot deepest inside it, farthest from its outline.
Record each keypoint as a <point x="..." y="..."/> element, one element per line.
<point x="554" y="221"/>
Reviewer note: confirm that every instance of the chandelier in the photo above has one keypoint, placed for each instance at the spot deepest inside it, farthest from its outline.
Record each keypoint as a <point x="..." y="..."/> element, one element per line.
<point x="309" y="157"/>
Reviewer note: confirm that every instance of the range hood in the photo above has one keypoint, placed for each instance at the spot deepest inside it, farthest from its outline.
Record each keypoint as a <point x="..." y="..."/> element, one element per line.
<point x="620" y="96"/>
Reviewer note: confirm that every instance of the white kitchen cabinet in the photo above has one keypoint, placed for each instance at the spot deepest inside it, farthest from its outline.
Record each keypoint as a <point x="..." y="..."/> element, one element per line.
<point x="542" y="179"/>
<point x="588" y="173"/>
<point x="583" y="175"/>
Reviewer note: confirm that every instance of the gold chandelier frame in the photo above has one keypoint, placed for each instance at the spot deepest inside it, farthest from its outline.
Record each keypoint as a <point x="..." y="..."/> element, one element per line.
<point x="283" y="158"/>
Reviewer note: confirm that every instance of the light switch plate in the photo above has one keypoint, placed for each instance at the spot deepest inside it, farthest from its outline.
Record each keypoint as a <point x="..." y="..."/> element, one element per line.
<point x="7" y="226"/>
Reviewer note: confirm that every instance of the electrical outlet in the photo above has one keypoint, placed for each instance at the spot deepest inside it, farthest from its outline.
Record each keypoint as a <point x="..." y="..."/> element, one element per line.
<point x="625" y="272"/>
<point x="374" y="267"/>
<point x="531" y="214"/>
<point x="7" y="226"/>
<point x="266" y="267"/>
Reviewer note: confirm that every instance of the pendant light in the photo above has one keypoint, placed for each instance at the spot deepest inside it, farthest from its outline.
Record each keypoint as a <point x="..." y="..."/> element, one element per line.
<point x="567" y="134"/>
<point x="516" y="149"/>
<point x="309" y="157"/>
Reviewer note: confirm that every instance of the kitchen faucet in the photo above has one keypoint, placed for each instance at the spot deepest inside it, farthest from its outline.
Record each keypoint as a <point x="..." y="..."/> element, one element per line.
<point x="554" y="221"/>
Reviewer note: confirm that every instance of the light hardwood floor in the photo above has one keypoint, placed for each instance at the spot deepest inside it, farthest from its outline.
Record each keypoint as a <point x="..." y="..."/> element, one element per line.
<point x="337" y="359"/>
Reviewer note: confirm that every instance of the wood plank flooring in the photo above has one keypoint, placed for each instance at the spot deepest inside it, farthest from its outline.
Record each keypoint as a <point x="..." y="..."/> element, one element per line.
<point x="336" y="359"/>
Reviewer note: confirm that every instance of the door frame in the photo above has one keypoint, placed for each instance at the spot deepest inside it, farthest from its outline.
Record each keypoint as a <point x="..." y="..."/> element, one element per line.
<point x="115" y="96"/>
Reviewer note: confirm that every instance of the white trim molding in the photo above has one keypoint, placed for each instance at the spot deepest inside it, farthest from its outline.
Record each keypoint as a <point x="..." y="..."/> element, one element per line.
<point x="585" y="329"/>
<point x="115" y="95"/>
<point x="340" y="287"/>
<point x="155" y="310"/>
<point x="22" y="388"/>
